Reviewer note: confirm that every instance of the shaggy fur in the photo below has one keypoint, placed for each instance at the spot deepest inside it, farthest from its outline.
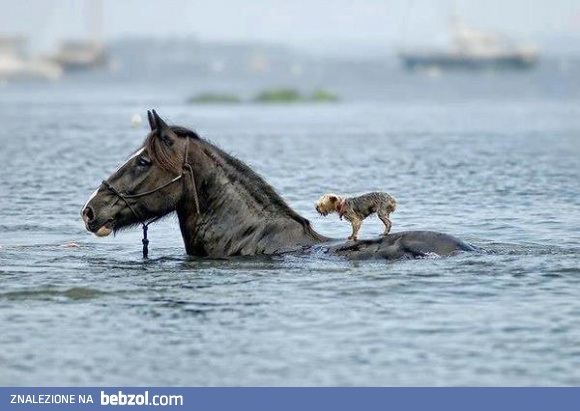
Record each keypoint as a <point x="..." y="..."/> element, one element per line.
<point x="356" y="209"/>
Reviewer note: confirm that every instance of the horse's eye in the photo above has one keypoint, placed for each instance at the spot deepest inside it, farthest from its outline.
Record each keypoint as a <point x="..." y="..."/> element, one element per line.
<point x="143" y="162"/>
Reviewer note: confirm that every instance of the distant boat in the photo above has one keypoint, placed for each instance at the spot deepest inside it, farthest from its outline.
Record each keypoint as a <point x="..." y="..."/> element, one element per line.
<point x="79" y="55"/>
<point x="14" y="65"/>
<point x="472" y="49"/>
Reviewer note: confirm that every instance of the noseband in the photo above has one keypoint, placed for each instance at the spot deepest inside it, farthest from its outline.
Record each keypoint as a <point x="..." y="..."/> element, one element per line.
<point x="144" y="223"/>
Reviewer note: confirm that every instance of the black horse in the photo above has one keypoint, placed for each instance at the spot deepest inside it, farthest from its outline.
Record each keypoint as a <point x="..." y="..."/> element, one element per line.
<point x="224" y="207"/>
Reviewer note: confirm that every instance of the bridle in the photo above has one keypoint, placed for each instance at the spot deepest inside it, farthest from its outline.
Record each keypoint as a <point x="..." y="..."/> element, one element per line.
<point x="144" y="223"/>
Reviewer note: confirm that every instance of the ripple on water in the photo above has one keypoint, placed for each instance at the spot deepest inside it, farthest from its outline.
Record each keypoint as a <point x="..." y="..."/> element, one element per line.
<point x="51" y="294"/>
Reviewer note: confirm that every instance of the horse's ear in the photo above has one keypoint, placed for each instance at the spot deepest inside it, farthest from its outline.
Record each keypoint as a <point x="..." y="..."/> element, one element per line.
<point x="152" y="123"/>
<point x="159" y="123"/>
<point x="163" y="130"/>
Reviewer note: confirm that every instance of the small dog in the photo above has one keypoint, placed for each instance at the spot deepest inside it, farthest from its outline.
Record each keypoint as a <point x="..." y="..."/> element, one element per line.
<point x="356" y="209"/>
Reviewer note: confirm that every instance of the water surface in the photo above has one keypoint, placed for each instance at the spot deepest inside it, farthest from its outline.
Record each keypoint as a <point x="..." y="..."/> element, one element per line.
<point x="500" y="172"/>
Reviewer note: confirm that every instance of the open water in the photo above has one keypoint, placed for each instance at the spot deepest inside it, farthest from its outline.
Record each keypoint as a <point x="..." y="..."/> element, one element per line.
<point x="494" y="160"/>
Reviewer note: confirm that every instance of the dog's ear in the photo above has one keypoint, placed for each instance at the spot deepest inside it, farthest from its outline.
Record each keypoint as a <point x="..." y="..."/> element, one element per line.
<point x="333" y="199"/>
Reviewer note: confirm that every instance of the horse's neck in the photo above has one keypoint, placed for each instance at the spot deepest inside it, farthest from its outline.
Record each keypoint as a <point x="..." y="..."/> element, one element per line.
<point x="232" y="220"/>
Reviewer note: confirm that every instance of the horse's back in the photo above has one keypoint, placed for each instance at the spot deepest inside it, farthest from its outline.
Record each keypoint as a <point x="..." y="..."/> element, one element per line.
<point x="405" y="244"/>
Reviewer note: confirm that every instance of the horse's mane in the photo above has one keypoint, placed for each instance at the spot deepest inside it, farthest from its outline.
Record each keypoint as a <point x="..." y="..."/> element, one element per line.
<point x="234" y="168"/>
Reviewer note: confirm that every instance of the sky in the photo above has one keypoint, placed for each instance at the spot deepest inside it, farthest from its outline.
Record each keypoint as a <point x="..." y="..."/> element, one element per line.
<point x="302" y="23"/>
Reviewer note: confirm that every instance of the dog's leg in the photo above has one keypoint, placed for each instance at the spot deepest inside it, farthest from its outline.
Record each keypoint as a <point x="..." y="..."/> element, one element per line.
<point x="356" y="223"/>
<point x="386" y="221"/>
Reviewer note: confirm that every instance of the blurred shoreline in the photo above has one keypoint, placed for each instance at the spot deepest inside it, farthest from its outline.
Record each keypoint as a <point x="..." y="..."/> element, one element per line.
<point x="182" y="68"/>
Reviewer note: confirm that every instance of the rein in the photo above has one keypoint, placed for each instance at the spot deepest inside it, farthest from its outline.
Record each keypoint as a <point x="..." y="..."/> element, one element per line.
<point x="144" y="223"/>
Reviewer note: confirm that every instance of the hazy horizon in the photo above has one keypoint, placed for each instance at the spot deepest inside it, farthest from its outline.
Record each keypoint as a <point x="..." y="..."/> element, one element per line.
<point x="339" y="25"/>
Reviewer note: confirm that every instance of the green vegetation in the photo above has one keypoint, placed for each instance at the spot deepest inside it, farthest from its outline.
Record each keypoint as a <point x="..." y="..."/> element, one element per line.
<point x="268" y="96"/>
<point x="323" y="96"/>
<point x="284" y="95"/>
<point x="214" y="98"/>
<point x="279" y="95"/>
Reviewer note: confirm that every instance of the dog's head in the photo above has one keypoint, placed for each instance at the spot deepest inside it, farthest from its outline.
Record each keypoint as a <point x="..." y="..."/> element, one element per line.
<point x="328" y="203"/>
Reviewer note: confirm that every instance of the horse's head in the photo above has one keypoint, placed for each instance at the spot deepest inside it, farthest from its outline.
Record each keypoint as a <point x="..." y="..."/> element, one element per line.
<point x="147" y="186"/>
<point x="224" y="208"/>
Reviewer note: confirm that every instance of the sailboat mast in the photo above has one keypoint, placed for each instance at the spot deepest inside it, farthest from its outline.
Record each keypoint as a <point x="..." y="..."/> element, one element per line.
<point x="95" y="21"/>
<point x="455" y="21"/>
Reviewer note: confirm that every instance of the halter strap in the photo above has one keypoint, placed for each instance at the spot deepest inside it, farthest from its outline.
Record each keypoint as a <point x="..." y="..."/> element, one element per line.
<point x="188" y="166"/>
<point x="146" y="193"/>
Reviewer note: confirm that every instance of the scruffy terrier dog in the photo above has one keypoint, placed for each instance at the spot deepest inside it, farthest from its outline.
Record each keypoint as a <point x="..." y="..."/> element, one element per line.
<point x="356" y="209"/>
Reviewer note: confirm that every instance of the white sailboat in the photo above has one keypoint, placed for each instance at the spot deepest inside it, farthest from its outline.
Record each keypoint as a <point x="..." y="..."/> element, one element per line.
<point x="472" y="49"/>
<point x="76" y="55"/>
<point x="15" y="65"/>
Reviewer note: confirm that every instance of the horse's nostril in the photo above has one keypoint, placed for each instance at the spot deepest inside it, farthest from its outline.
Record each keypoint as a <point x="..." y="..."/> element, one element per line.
<point x="89" y="214"/>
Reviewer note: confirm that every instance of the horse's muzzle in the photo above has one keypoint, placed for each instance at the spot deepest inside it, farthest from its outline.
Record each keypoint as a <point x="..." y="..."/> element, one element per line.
<point x="94" y="226"/>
